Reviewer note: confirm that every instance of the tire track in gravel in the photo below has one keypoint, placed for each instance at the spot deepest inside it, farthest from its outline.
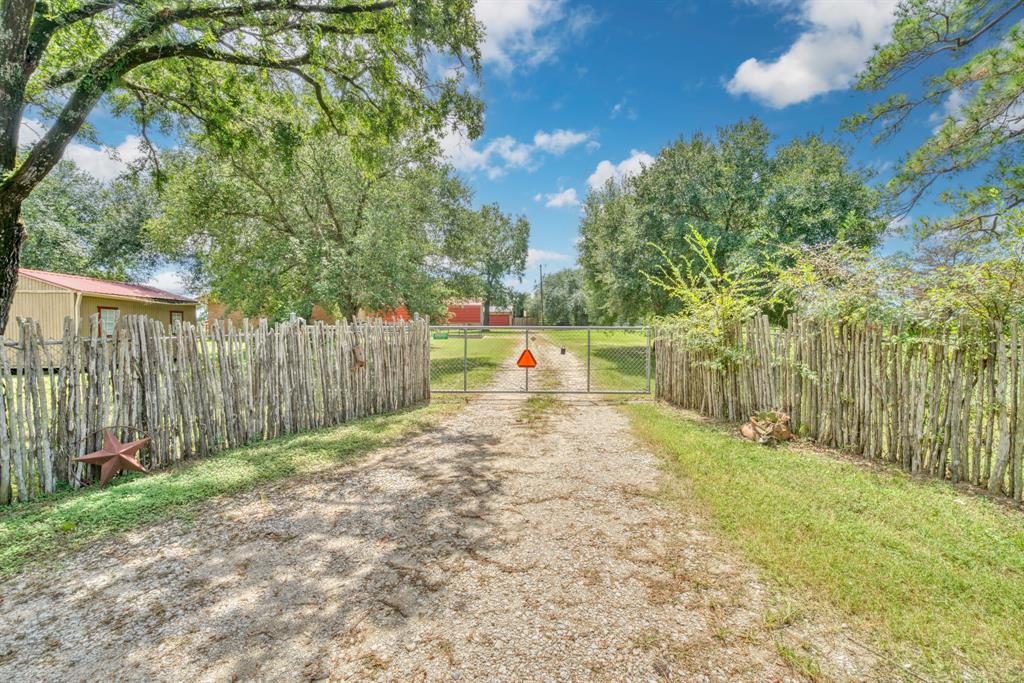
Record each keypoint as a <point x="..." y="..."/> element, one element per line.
<point x="487" y="549"/>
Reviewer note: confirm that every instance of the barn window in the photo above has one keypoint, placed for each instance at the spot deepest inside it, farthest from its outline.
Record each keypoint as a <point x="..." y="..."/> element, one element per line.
<point x="177" y="317"/>
<point x="108" y="318"/>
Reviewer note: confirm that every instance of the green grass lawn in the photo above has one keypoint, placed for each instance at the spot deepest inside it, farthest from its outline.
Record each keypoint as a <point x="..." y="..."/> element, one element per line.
<point x="617" y="359"/>
<point x="36" y="531"/>
<point x="934" y="574"/>
<point x="485" y="355"/>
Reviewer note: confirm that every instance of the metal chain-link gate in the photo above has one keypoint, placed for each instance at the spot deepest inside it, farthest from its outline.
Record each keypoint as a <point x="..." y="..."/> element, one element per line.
<point x="540" y="359"/>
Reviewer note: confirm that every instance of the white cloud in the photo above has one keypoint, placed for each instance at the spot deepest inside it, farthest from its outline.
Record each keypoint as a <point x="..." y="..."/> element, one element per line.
<point x="900" y="223"/>
<point x="1013" y="118"/>
<point x="104" y="163"/>
<point x="630" y="166"/>
<point x="621" y="108"/>
<point x="109" y="162"/>
<point x="505" y="153"/>
<point x="458" y="149"/>
<point x="535" y="256"/>
<point x="30" y="131"/>
<point x="838" y="40"/>
<point x="558" y="200"/>
<point x="581" y="19"/>
<point x="515" y="154"/>
<point x="558" y="141"/>
<point x="172" y="281"/>
<point x="952" y="108"/>
<point x="527" y="32"/>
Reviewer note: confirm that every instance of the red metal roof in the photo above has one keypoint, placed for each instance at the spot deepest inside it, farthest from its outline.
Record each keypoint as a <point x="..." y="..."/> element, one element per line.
<point x="93" y="285"/>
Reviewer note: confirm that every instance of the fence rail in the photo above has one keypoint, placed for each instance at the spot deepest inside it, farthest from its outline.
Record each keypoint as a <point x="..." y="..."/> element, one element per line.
<point x="945" y="407"/>
<point x="194" y="391"/>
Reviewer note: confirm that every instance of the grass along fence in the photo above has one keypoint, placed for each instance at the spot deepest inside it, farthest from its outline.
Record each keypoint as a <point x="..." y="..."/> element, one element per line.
<point x="194" y="392"/>
<point x="945" y="407"/>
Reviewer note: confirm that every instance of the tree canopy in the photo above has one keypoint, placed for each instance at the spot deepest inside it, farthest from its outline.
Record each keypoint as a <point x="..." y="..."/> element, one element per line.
<point x="710" y="299"/>
<point x="77" y="224"/>
<point x="484" y="256"/>
<point x="278" y="232"/>
<point x="221" y="65"/>
<point x="734" y="189"/>
<point x="971" y="53"/>
<point x="846" y="283"/>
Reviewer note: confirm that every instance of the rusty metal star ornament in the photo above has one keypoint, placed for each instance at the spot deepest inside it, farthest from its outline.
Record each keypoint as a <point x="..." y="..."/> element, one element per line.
<point x="115" y="456"/>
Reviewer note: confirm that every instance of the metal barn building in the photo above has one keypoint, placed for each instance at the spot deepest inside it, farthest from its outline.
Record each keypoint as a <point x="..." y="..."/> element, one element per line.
<point x="471" y="312"/>
<point x="48" y="298"/>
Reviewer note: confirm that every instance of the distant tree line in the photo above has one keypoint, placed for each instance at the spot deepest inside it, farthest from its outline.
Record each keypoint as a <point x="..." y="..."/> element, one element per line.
<point x="562" y="301"/>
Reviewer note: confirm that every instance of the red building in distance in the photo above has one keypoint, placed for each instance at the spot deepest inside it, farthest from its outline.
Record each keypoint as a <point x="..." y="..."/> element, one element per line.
<point x="471" y="312"/>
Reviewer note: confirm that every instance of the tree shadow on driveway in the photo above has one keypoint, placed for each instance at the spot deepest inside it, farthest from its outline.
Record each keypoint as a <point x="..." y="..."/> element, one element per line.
<point x="265" y="583"/>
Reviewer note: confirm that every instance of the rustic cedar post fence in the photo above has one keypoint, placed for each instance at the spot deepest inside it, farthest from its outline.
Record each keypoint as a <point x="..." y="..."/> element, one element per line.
<point x="947" y="407"/>
<point x="195" y="392"/>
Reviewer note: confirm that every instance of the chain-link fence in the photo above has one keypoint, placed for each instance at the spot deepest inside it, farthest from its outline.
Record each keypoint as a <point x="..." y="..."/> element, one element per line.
<point x="476" y="359"/>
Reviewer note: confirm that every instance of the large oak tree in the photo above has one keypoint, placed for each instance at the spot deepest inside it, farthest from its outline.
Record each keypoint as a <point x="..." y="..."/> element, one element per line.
<point x="733" y="188"/>
<point x="492" y="248"/>
<point x="214" y="63"/>
<point x="278" y="232"/>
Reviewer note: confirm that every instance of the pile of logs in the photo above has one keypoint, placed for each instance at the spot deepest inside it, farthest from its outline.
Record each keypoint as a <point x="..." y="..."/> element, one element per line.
<point x="767" y="428"/>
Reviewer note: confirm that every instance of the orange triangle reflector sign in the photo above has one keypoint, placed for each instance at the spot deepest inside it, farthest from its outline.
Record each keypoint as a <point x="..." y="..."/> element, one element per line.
<point x="526" y="359"/>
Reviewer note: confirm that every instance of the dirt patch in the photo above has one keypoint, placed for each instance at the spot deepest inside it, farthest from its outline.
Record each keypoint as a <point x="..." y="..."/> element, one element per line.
<point x="486" y="549"/>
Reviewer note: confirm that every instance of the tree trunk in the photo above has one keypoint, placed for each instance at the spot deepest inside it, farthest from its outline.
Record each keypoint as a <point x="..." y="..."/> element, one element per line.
<point x="349" y="308"/>
<point x="12" y="233"/>
<point x="485" y="314"/>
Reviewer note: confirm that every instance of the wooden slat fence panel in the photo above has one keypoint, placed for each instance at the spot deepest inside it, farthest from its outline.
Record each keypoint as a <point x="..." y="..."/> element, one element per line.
<point x="194" y="392"/>
<point x="945" y="407"/>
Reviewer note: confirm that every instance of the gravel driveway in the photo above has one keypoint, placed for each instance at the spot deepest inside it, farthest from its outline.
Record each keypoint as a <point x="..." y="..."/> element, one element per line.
<point x="489" y="549"/>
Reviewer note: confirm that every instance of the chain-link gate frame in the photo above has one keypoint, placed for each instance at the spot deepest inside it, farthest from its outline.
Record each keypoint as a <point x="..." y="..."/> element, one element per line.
<point x="571" y="359"/>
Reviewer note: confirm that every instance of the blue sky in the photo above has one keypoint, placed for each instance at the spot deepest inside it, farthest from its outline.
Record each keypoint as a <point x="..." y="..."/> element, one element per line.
<point x="576" y="92"/>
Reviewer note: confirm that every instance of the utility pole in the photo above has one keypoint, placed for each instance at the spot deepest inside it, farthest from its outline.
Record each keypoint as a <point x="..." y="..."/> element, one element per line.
<point x="541" y="293"/>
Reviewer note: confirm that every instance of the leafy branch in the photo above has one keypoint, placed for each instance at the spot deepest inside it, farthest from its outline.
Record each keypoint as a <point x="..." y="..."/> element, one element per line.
<point x="713" y="300"/>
